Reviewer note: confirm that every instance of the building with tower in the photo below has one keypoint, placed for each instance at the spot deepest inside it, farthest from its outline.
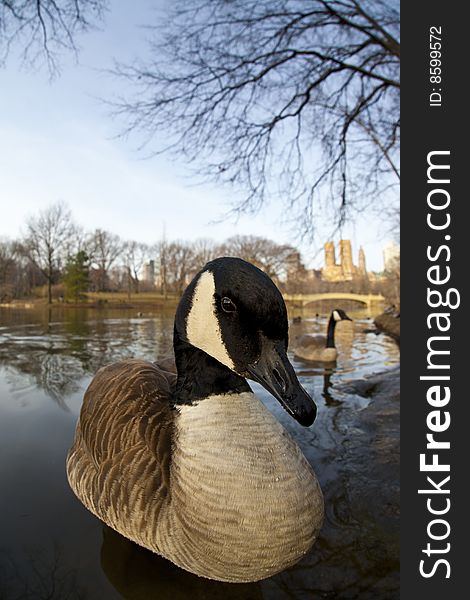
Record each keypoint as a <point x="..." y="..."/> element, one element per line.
<point x="346" y="270"/>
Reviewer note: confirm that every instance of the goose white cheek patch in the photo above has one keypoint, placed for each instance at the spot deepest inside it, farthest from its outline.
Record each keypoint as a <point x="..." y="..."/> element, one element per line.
<point x="336" y="316"/>
<point x="202" y="326"/>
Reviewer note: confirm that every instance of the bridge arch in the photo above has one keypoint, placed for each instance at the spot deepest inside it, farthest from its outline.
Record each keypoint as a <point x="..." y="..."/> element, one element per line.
<point x="305" y="299"/>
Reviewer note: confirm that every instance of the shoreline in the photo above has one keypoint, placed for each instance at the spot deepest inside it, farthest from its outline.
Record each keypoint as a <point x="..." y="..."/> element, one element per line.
<point x="389" y="323"/>
<point x="141" y="301"/>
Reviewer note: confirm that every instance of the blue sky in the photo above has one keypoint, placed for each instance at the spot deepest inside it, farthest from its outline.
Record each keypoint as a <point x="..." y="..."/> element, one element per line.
<point x="59" y="142"/>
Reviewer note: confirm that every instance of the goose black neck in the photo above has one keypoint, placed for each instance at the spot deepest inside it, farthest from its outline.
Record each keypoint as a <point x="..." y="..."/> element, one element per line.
<point x="200" y="375"/>
<point x="330" y="336"/>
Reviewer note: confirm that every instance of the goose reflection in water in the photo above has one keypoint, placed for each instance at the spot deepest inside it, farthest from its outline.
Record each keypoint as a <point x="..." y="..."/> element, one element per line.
<point x="330" y="400"/>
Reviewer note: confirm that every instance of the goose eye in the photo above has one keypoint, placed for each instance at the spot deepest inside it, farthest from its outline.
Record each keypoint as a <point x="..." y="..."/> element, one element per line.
<point x="228" y="305"/>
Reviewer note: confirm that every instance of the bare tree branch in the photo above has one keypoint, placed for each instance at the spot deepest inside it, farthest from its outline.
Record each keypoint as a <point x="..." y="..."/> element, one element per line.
<point x="41" y="29"/>
<point x="290" y="98"/>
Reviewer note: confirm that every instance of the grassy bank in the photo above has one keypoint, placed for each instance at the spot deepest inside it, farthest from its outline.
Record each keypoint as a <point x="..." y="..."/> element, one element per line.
<point x="101" y="300"/>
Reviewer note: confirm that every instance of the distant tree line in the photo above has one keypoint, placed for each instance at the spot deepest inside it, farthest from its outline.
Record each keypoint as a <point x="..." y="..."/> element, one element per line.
<point x="58" y="258"/>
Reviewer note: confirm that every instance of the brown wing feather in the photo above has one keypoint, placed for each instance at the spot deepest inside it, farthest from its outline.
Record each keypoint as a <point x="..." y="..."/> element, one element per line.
<point x="119" y="464"/>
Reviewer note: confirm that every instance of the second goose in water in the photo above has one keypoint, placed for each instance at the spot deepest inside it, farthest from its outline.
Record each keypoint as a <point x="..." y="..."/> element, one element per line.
<point x="193" y="466"/>
<point x="320" y="348"/>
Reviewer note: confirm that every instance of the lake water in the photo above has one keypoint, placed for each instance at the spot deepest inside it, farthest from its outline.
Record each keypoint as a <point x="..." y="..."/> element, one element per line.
<point x="52" y="548"/>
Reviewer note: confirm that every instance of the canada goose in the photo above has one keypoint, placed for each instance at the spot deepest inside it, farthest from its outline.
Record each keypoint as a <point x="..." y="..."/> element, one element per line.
<point x="193" y="466"/>
<point x="320" y="348"/>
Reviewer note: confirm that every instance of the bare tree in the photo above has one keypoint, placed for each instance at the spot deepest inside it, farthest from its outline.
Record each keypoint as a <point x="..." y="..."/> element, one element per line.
<point x="204" y="250"/>
<point x="161" y="249"/>
<point x="104" y="249"/>
<point x="24" y="275"/>
<point x="7" y="269"/>
<point x="135" y="254"/>
<point x="298" y="98"/>
<point x="179" y="265"/>
<point x="43" y="28"/>
<point x="275" y="259"/>
<point x="47" y="239"/>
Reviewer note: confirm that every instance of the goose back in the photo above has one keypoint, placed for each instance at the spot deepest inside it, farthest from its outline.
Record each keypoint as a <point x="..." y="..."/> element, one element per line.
<point x="312" y="347"/>
<point x="119" y="463"/>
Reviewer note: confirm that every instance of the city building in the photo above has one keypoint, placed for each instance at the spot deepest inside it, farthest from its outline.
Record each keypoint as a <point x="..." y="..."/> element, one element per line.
<point x="149" y="273"/>
<point x="391" y="254"/>
<point x="345" y="270"/>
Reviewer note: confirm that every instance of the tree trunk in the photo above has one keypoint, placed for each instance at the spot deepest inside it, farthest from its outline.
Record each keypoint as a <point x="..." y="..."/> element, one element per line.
<point x="129" y="284"/>
<point x="49" y="287"/>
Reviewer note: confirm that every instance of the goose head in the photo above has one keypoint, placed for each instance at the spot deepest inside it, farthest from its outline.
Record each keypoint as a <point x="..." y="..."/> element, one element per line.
<point x="339" y="315"/>
<point x="233" y="312"/>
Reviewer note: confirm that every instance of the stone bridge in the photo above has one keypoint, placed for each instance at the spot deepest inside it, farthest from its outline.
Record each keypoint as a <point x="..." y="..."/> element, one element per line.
<point x="302" y="300"/>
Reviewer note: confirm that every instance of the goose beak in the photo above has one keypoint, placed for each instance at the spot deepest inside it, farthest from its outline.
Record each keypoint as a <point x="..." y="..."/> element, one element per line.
<point x="275" y="373"/>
